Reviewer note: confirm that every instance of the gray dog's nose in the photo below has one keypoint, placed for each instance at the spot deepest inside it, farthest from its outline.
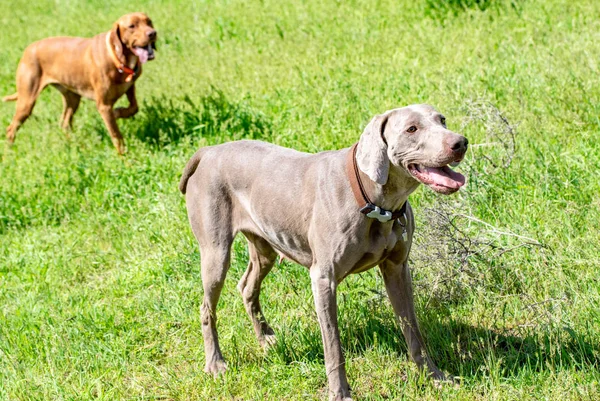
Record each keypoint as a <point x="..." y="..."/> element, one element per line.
<point x="459" y="144"/>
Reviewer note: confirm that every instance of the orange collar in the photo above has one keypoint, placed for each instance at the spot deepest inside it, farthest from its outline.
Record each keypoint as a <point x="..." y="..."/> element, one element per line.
<point x="121" y="66"/>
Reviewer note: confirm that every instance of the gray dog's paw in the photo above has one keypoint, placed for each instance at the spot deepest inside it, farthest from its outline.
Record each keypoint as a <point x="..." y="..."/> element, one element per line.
<point x="268" y="340"/>
<point x="215" y="367"/>
<point x="443" y="380"/>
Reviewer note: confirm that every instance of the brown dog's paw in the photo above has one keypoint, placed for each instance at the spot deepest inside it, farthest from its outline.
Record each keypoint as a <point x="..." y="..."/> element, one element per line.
<point x="10" y="136"/>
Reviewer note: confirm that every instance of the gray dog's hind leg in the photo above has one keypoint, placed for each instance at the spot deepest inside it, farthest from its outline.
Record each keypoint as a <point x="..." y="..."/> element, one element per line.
<point x="262" y="258"/>
<point x="214" y="266"/>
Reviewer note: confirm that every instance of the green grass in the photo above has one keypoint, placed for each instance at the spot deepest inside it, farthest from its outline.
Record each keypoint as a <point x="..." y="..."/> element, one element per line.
<point x="99" y="272"/>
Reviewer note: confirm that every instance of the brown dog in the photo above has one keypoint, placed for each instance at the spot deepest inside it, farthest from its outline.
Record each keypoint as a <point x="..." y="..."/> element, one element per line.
<point x="102" y="68"/>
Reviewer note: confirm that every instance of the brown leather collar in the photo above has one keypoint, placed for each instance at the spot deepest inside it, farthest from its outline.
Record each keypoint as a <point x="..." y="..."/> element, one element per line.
<point x="121" y="66"/>
<point x="367" y="207"/>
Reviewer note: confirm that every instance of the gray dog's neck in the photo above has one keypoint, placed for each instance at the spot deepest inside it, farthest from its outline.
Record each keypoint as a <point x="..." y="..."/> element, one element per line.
<point x="394" y="193"/>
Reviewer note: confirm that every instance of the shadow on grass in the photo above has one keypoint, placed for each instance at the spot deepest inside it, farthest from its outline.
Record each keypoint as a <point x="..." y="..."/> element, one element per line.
<point x="165" y="120"/>
<point x="469" y="350"/>
<point x="457" y="348"/>
<point x="440" y="9"/>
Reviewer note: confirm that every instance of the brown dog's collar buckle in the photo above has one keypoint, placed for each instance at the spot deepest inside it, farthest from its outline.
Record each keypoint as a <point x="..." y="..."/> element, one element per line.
<point x="123" y="69"/>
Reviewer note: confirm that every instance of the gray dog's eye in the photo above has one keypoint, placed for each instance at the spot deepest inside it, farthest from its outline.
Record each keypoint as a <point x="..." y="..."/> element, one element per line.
<point x="412" y="129"/>
<point x="444" y="121"/>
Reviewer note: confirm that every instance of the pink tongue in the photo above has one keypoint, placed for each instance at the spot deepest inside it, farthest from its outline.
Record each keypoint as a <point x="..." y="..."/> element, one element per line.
<point x="445" y="176"/>
<point x="142" y="53"/>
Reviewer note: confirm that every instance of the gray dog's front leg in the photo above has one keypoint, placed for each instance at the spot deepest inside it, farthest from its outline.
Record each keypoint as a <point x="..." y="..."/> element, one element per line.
<point x="398" y="284"/>
<point x="324" y="292"/>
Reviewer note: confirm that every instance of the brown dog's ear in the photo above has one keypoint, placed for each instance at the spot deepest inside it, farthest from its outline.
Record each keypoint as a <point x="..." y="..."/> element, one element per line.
<point x="371" y="154"/>
<point x="115" y="41"/>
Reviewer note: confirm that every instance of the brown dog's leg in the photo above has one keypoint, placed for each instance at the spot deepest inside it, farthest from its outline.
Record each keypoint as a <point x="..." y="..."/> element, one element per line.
<point x="324" y="289"/>
<point x="70" y="104"/>
<point x="108" y="115"/>
<point x="24" y="108"/>
<point x="122" y="112"/>
<point x="398" y="284"/>
<point x="29" y="86"/>
<point x="262" y="258"/>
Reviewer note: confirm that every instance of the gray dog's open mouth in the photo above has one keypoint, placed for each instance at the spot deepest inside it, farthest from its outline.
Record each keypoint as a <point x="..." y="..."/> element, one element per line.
<point x="441" y="179"/>
<point x="144" y="53"/>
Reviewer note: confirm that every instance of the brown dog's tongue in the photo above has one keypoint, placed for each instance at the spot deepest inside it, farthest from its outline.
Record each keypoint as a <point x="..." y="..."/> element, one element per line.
<point x="142" y="54"/>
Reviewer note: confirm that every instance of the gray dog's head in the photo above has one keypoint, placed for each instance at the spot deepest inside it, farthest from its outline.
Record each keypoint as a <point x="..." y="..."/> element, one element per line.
<point x="413" y="140"/>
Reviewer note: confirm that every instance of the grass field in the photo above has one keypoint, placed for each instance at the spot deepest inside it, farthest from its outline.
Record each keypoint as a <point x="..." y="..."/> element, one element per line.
<point x="100" y="285"/>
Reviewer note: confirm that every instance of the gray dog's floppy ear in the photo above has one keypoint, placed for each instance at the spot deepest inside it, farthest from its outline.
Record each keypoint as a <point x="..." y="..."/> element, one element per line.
<point x="371" y="154"/>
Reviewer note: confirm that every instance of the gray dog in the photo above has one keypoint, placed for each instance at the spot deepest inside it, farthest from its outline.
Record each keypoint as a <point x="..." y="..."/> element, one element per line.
<point x="337" y="213"/>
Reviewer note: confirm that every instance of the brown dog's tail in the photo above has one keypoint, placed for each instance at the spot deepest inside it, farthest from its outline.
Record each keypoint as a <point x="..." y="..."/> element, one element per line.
<point x="10" y="98"/>
<point x="189" y="170"/>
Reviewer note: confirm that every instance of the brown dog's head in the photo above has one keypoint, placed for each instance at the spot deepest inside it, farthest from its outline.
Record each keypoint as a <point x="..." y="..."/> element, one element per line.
<point x="413" y="140"/>
<point x="135" y="33"/>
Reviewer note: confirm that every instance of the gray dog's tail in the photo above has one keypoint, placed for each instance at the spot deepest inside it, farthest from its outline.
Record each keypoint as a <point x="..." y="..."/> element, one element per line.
<point x="188" y="171"/>
<point x="10" y="98"/>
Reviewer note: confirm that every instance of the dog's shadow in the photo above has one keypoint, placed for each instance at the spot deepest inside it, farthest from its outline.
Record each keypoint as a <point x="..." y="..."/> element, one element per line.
<point x="439" y="10"/>
<point x="165" y="120"/>
<point x="471" y="351"/>
<point x="443" y="11"/>
<point x="458" y="348"/>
